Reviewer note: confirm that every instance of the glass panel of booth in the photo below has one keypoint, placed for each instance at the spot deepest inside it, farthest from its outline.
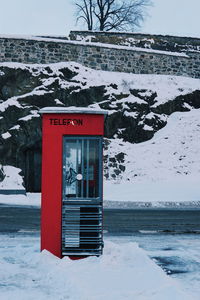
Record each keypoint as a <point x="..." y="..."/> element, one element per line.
<point x="81" y="167"/>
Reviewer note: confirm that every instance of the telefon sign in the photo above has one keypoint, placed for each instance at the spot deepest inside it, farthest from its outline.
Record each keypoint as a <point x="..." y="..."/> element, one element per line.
<point x="63" y="121"/>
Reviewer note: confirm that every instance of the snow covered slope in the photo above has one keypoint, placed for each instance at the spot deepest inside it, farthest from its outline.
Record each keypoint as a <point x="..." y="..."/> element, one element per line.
<point x="152" y="130"/>
<point x="166" y="168"/>
<point x="173" y="151"/>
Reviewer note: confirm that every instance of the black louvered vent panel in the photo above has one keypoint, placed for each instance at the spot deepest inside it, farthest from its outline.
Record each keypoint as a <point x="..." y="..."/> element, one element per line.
<point x="81" y="229"/>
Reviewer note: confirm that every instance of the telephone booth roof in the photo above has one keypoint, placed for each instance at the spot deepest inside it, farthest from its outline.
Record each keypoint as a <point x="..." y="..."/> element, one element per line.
<point x="72" y="110"/>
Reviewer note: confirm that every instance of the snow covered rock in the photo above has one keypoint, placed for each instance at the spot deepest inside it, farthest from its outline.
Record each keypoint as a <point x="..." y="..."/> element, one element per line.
<point x="10" y="178"/>
<point x="138" y="106"/>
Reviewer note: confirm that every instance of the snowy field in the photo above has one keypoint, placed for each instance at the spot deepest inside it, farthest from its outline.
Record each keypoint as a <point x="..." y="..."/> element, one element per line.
<point x="124" y="272"/>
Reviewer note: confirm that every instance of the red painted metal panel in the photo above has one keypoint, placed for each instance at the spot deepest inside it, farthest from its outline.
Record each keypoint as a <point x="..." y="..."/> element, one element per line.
<point x="73" y="124"/>
<point x="55" y="126"/>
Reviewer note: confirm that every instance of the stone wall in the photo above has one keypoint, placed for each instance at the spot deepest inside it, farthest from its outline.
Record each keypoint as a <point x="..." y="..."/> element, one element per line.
<point x="158" y="42"/>
<point x="103" y="57"/>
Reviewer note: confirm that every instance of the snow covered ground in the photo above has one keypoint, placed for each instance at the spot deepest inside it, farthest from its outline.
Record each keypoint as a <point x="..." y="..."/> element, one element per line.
<point x="30" y="199"/>
<point x="163" y="169"/>
<point x="124" y="272"/>
<point x="177" y="254"/>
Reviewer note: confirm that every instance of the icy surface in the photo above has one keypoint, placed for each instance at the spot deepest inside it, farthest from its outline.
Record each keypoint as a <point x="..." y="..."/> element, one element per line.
<point x="177" y="254"/>
<point x="124" y="272"/>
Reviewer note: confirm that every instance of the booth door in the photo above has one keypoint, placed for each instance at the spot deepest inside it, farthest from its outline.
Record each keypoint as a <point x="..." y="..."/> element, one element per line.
<point x="82" y="168"/>
<point x="82" y="196"/>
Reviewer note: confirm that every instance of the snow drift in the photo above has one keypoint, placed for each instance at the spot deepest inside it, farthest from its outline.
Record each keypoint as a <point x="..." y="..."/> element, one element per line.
<point x="123" y="272"/>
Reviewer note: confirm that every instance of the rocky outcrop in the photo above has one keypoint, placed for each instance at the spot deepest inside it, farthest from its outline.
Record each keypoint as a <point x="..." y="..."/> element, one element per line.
<point x="135" y="113"/>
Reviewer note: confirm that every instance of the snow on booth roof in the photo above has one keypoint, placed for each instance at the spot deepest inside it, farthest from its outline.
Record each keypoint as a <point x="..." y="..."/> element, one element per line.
<point x="73" y="109"/>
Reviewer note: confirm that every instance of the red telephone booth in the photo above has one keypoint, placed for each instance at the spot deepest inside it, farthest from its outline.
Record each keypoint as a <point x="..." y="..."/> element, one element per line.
<point x="72" y="181"/>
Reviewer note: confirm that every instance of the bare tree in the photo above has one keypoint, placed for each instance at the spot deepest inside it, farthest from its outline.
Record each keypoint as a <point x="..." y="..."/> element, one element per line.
<point x="85" y="12"/>
<point x="105" y="15"/>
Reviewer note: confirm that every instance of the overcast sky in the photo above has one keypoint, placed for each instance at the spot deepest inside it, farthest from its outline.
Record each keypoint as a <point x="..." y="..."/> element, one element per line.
<point x="51" y="17"/>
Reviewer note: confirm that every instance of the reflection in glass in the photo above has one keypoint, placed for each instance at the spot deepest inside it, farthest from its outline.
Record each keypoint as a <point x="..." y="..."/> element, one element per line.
<point x="70" y="168"/>
<point x="81" y="157"/>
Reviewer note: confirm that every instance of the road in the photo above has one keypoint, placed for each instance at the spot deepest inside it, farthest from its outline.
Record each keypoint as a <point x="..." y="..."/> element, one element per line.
<point x="116" y="221"/>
